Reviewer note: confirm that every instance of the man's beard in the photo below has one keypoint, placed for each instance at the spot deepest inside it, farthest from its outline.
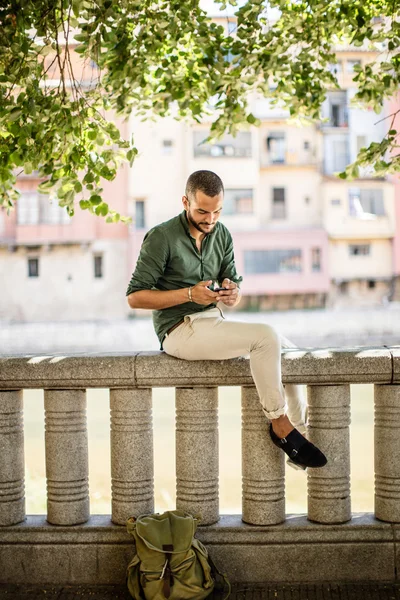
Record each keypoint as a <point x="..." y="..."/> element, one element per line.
<point x="196" y="225"/>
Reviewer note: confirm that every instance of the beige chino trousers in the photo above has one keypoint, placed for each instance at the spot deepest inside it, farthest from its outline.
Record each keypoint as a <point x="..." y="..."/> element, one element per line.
<point x="209" y="336"/>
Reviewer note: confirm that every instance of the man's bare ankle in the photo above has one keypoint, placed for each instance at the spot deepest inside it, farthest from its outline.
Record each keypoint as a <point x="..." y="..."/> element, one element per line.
<point x="282" y="426"/>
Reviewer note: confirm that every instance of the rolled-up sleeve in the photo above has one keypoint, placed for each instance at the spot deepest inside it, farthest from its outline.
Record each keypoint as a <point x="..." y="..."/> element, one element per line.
<point x="151" y="263"/>
<point x="228" y="267"/>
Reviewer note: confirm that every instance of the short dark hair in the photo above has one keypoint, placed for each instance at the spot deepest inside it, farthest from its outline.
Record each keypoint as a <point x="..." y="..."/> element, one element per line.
<point x="206" y="181"/>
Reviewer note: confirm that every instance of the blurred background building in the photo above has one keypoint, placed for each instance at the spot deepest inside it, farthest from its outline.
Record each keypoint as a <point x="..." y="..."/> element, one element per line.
<point x="303" y="237"/>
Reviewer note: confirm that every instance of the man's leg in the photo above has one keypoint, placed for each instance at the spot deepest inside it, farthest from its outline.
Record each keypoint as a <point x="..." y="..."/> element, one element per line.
<point x="295" y="398"/>
<point x="203" y="337"/>
<point x="219" y="339"/>
<point x="207" y="338"/>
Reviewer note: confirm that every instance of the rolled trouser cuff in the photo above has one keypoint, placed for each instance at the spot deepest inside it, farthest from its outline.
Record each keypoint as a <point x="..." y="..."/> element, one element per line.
<point x="274" y="414"/>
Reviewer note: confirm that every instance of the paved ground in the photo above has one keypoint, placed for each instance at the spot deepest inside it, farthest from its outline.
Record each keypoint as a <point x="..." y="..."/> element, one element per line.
<point x="366" y="591"/>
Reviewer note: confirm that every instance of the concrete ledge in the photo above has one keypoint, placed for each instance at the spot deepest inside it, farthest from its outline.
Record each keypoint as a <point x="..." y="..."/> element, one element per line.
<point x="157" y="369"/>
<point x="296" y="551"/>
<point x="240" y="591"/>
<point x="395" y="351"/>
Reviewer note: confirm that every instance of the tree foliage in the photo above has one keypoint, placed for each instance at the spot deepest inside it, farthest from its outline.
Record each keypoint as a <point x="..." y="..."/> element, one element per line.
<point x="167" y="57"/>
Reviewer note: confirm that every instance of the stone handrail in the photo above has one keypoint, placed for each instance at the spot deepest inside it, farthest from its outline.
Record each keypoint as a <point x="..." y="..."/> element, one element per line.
<point x="328" y="374"/>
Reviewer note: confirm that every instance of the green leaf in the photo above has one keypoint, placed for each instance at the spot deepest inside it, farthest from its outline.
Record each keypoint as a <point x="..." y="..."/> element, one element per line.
<point x="102" y="209"/>
<point x="45" y="186"/>
<point x="95" y="199"/>
<point x="15" y="114"/>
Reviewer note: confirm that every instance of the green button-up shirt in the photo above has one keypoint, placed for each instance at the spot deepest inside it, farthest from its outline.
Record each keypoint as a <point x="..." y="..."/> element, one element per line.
<point x="169" y="260"/>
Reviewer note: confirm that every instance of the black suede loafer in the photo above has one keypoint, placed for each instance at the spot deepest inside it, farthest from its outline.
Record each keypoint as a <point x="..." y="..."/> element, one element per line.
<point x="300" y="451"/>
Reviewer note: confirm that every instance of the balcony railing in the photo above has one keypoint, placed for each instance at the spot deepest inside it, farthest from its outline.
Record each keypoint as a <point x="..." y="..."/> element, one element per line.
<point x="261" y="544"/>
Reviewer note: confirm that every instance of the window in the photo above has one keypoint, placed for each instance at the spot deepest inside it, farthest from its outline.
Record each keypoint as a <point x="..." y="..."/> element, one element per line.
<point x="272" y="261"/>
<point x="229" y="146"/>
<point x="315" y="259"/>
<point x="238" y="202"/>
<point x="278" y="203"/>
<point x="28" y="208"/>
<point x="167" y="146"/>
<point x="335" y="114"/>
<point x="232" y="26"/>
<point x="351" y="64"/>
<point x="359" y="249"/>
<point x="336" y="68"/>
<point x="33" y="267"/>
<point x="364" y="203"/>
<point x="337" y="109"/>
<point x="339" y="155"/>
<point x="140" y="217"/>
<point x="34" y="208"/>
<point x="276" y="146"/>
<point x="98" y="266"/>
<point x="51" y="213"/>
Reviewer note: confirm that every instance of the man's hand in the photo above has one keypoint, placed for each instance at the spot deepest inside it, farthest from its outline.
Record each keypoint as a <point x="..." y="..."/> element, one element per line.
<point x="202" y="295"/>
<point x="231" y="296"/>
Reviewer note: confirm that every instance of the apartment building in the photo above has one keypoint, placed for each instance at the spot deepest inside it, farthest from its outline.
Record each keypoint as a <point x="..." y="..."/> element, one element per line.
<point x="271" y="203"/>
<point x="303" y="237"/>
<point x="56" y="268"/>
<point x="358" y="215"/>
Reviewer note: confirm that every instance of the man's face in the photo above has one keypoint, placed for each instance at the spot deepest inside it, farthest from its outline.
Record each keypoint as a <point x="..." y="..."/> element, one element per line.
<point x="203" y="211"/>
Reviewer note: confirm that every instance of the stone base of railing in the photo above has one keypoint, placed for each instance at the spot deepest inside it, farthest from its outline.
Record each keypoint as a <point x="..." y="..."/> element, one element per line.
<point x="364" y="549"/>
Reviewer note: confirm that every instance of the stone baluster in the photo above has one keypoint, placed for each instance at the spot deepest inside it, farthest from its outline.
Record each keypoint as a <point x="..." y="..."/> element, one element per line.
<point x="66" y="443"/>
<point x="132" y="461"/>
<point x="387" y="453"/>
<point x="12" y="468"/>
<point x="329" y="486"/>
<point x="197" y="452"/>
<point x="263" y="466"/>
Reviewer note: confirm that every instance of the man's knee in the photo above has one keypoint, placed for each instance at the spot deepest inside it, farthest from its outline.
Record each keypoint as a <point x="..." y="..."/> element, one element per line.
<point x="267" y="335"/>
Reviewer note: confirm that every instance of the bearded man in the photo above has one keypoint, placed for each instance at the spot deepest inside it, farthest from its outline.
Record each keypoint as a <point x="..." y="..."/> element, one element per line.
<point x="179" y="261"/>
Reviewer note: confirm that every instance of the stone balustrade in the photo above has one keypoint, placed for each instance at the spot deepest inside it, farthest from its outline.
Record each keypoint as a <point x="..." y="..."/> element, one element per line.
<point x="68" y="526"/>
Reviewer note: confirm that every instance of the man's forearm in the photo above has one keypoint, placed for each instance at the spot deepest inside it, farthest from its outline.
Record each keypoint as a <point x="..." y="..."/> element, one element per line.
<point x="157" y="300"/>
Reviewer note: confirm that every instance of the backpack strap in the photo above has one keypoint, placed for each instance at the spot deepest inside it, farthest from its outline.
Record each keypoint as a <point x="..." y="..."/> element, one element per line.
<point x="221" y="582"/>
<point x="166" y="574"/>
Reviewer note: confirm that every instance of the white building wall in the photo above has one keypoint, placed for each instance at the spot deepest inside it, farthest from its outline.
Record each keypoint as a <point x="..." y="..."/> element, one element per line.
<point x="159" y="174"/>
<point x="376" y="265"/>
<point x="299" y="185"/>
<point x="66" y="281"/>
<point x="364" y="122"/>
<point x="339" y="222"/>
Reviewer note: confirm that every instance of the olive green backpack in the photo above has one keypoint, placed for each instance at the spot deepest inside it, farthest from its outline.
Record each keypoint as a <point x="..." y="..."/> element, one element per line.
<point x="170" y="563"/>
